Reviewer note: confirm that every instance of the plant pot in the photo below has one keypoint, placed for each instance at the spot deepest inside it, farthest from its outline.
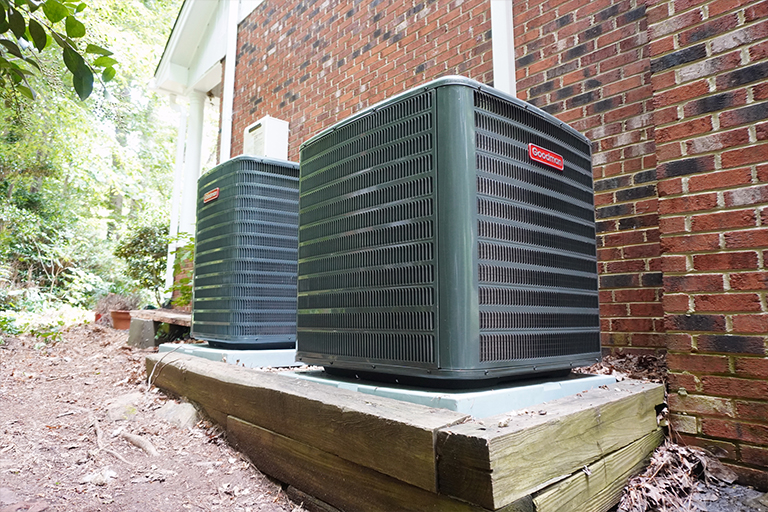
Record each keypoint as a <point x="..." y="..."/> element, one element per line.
<point x="121" y="319"/>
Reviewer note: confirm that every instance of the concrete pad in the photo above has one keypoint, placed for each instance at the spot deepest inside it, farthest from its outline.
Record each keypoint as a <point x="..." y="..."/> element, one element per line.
<point x="277" y="358"/>
<point x="480" y="403"/>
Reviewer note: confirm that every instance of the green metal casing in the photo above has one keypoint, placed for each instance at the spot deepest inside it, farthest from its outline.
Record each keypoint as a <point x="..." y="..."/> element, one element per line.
<point x="431" y="247"/>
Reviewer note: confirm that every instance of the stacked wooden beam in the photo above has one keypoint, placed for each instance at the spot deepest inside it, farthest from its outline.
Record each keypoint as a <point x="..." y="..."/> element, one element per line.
<point x="363" y="452"/>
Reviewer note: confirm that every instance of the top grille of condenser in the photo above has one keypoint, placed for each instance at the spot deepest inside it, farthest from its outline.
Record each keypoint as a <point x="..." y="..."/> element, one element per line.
<point x="536" y="238"/>
<point x="366" y="239"/>
<point x="246" y="253"/>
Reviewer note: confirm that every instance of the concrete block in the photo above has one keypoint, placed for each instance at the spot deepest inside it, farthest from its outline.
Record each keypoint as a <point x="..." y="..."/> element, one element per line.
<point x="141" y="333"/>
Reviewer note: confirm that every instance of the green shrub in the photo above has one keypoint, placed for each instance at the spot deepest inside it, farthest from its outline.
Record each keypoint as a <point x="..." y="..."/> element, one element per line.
<point x="144" y="249"/>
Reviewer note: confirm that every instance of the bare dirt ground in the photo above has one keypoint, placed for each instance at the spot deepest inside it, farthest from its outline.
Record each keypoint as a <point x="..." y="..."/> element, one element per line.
<point x="72" y="417"/>
<point x="75" y="414"/>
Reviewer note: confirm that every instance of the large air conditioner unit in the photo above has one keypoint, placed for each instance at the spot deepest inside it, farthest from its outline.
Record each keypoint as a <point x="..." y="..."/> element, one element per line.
<point x="447" y="233"/>
<point x="244" y="293"/>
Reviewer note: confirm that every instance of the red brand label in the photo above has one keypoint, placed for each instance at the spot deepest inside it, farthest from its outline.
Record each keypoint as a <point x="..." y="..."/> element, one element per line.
<point x="211" y="195"/>
<point x="545" y="156"/>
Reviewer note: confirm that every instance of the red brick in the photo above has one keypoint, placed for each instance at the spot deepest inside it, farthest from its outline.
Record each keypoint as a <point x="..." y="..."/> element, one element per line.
<point x="672" y="225"/>
<point x="748" y="410"/>
<point x="723" y="220"/>
<point x="757" y="11"/>
<point x="755" y="367"/>
<point x="680" y="94"/>
<point x="670" y="187"/>
<point x="636" y="295"/>
<point x="665" y="116"/>
<point x="733" y="387"/>
<point x="698" y="363"/>
<point x="649" y="340"/>
<point x="632" y="325"/>
<point x="687" y="204"/>
<point x="757" y="324"/>
<point x="720" y="6"/>
<point x="744" y="156"/>
<point x="642" y="251"/>
<point x="755" y="455"/>
<point x="748" y="196"/>
<point x="675" y="303"/>
<point x="646" y="310"/>
<point x="678" y="342"/>
<point x="676" y="381"/>
<point x="749" y="281"/>
<point x="619" y="267"/>
<point x="690" y="243"/>
<point x="717" y="180"/>
<point x="613" y="310"/>
<point x="735" y="430"/>
<point x="684" y="130"/>
<point x="667" y="152"/>
<point x="725" y="261"/>
<point x="720" y="449"/>
<point x="728" y="302"/>
<point x="670" y="263"/>
<point x="693" y="283"/>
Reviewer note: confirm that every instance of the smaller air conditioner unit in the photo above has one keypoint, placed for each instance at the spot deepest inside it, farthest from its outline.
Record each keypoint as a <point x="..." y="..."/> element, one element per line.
<point x="244" y="293"/>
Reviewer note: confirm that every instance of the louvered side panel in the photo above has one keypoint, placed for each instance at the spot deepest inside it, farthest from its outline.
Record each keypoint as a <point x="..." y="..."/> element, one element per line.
<point x="366" y="286"/>
<point x="536" y="238"/>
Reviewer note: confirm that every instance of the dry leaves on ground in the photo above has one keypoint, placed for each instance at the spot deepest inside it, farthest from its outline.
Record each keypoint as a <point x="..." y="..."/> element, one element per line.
<point x="672" y="478"/>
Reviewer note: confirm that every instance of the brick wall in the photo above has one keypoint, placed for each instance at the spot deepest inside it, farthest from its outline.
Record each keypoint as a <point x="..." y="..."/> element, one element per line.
<point x="674" y="95"/>
<point x="313" y="65"/>
<point x="587" y="62"/>
<point x="709" y="68"/>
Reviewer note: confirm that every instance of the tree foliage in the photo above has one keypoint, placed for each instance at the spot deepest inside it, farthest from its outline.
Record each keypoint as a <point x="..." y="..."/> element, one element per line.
<point x="145" y="250"/>
<point x="27" y="25"/>
<point x="74" y="175"/>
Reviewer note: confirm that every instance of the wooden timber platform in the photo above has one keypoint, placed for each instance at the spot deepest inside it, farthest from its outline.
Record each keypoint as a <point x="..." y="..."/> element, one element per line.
<point x="361" y="452"/>
<point x="163" y="316"/>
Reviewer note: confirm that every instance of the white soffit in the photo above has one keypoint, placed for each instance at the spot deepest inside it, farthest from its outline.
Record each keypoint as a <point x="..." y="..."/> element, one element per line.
<point x="195" y="48"/>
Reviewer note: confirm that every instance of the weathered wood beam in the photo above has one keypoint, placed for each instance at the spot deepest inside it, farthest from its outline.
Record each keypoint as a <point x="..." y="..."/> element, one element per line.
<point x="601" y="489"/>
<point x="389" y="436"/>
<point x="343" y="484"/>
<point x="498" y="460"/>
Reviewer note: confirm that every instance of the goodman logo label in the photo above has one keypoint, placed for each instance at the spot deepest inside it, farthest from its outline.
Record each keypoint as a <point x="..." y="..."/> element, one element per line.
<point x="211" y="195"/>
<point x="545" y="156"/>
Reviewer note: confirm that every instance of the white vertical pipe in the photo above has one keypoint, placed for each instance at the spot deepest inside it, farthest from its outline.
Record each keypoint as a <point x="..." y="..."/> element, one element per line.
<point x="503" y="46"/>
<point x="228" y="87"/>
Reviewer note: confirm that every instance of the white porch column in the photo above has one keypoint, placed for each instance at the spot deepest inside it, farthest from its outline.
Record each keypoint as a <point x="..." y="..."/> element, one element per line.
<point x="503" y="46"/>
<point x="178" y="173"/>
<point x="192" y="157"/>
